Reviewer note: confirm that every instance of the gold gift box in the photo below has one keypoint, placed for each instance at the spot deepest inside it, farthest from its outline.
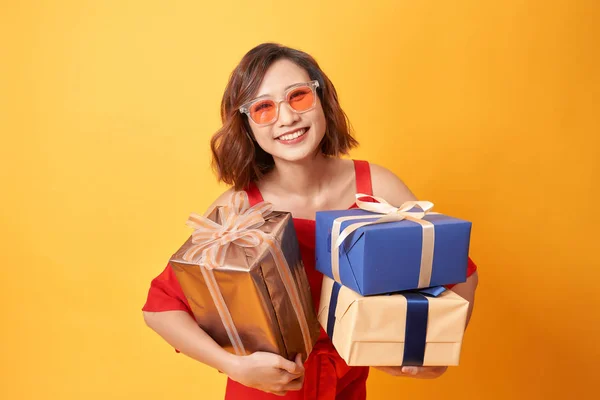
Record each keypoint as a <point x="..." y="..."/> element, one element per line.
<point x="370" y="331"/>
<point x="253" y="291"/>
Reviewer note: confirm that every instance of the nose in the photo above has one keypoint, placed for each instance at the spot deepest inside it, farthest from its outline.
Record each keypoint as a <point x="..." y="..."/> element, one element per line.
<point x="287" y="116"/>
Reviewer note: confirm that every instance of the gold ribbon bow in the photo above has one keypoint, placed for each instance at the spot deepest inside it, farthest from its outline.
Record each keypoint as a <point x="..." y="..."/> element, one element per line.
<point x="240" y="227"/>
<point x="391" y="214"/>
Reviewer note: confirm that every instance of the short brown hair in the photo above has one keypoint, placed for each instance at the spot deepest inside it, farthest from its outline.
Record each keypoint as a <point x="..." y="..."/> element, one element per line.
<point x="237" y="158"/>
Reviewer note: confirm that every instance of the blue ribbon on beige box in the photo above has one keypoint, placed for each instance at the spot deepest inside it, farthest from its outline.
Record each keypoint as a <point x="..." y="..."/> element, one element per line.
<point x="417" y="313"/>
<point x="390" y="214"/>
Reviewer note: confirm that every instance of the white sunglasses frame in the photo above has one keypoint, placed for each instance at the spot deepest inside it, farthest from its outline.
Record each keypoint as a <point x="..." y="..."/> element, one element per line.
<point x="313" y="85"/>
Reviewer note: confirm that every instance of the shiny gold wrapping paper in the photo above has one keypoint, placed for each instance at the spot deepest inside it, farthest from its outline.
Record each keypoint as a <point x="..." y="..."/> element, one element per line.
<point x="369" y="331"/>
<point x="253" y="291"/>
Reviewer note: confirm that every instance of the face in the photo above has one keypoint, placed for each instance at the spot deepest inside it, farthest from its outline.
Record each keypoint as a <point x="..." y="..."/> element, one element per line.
<point x="293" y="136"/>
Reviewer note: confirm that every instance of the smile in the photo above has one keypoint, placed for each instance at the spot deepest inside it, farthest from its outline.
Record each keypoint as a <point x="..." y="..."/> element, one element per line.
<point x="293" y="135"/>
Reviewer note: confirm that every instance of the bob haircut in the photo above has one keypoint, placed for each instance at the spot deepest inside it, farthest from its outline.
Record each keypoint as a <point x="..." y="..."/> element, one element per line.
<point x="237" y="158"/>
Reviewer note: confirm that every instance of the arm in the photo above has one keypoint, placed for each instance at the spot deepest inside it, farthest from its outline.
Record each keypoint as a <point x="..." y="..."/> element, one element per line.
<point x="388" y="186"/>
<point x="466" y="290"/>
<point x="264" y="371"/>
<point x="180" y="330"/>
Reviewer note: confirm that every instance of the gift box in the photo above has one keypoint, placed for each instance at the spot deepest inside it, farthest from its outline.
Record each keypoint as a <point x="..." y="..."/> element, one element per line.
<point x="379" y="248"/>
<point x="245" y="282"/>
<point x="409" y="328"/>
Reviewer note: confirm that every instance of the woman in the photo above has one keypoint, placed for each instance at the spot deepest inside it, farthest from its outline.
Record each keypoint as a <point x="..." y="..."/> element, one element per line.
<point x="282" y="137"/>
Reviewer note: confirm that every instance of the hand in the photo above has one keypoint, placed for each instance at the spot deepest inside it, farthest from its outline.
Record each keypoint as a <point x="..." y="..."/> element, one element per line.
<point x="269" y="372"/>
<point x="415" y="372"/>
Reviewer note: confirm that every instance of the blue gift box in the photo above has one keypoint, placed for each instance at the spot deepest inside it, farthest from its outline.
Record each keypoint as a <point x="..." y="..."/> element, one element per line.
<point x="385" y="258"/>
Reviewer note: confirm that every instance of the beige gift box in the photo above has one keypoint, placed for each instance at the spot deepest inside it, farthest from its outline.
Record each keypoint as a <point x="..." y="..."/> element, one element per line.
<point x="370" y="331"/>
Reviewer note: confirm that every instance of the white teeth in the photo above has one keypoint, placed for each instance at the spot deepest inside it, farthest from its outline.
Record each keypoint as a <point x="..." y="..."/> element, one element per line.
<point x="292" y="136"/>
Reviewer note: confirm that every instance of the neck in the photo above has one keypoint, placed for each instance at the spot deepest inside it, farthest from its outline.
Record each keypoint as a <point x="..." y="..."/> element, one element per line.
<point x="303" y="178"/>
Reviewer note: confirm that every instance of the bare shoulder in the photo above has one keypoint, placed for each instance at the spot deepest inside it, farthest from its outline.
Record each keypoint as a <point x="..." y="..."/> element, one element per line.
<point x="222" y="200"/>
<point x="389" y="186"/>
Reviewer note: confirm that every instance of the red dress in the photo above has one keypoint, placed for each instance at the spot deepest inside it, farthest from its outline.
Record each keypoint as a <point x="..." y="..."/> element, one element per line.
<point x="327" y="375"/>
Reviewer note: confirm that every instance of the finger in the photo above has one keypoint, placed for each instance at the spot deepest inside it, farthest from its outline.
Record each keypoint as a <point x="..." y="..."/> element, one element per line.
<point x="437" y="371"/>
<point x="424" y="372"/>
<point x="290" y="366"/>
<point x="410" y="371"/>
<point x="296" y="384"/>
<point x="299" y="361"/>
<point x="279" y="393"/>
<point x="287" y="378"/>
<point x="394" y="371"/>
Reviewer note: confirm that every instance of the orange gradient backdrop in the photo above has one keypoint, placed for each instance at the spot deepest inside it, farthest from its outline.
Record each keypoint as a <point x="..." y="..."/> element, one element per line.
<point x="488" y="109"/>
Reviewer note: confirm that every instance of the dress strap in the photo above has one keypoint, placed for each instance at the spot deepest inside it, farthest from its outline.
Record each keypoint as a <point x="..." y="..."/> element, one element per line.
<point x="363" y="177"/>
<point x="253" y="193"/>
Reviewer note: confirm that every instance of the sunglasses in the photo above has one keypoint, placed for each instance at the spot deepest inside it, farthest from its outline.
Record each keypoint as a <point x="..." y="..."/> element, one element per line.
<point x="300" y="97"/>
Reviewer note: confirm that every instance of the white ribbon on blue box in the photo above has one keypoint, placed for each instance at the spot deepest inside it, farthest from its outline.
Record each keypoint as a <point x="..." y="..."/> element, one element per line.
<point x="379" y="248"/>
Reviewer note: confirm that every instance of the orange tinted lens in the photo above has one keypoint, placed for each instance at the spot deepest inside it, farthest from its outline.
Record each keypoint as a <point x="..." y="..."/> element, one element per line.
<point x="301" y="99"/>
<point x="263" y="112"/>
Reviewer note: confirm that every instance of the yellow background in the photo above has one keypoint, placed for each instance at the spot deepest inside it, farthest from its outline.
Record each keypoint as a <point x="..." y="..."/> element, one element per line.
<point x="489" y="109"/>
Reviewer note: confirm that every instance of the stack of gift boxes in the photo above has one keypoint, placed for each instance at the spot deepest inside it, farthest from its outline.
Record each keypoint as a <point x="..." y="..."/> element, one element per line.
<point x="383" y="301"/>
